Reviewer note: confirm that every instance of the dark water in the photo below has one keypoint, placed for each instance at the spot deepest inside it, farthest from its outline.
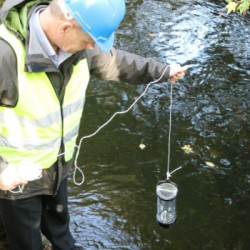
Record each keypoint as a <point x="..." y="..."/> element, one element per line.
<point x="116" y="206"/>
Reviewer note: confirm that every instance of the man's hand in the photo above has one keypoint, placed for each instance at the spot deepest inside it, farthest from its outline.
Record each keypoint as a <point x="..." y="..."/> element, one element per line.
<point x="10" y="180"/>
<point x="176" y="72"/>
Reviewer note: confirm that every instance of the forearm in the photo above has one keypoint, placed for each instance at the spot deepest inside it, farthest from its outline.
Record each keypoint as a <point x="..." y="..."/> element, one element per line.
<point x="138" y="70"/>
<point x="119" y="65"/>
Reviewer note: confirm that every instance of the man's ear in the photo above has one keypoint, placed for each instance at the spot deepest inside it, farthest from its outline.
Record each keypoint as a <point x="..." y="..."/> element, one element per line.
<point x="65" y="27"/>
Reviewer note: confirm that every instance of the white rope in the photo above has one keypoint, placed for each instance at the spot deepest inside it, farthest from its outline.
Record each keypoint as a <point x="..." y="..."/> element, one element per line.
<point x="76" y="168"/>
<point x="105" y="124"/>
<point x="169" y="134"/>
<point x="169" y="130"/>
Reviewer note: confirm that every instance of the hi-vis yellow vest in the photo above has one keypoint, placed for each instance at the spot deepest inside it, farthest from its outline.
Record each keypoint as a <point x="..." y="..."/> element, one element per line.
<point x="38" y="125"/>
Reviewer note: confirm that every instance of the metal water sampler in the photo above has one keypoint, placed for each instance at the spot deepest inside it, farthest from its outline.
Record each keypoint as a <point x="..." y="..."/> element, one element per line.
<point x="166" y="203"/>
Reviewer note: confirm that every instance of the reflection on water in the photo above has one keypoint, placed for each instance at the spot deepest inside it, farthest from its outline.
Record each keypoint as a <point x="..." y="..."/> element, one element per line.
<point x="116" y="206"/>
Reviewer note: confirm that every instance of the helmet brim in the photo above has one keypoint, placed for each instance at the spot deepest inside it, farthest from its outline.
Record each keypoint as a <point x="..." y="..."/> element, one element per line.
<point x="107" y="44"/>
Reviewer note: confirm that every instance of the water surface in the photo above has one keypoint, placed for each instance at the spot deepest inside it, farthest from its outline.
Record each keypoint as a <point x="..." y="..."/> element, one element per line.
<point x="116" y="206"/>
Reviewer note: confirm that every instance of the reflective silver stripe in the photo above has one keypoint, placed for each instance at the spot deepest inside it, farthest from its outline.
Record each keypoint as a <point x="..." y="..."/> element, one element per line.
<point x="3" y="141"/>
<point x="46" y="121"/>
<point x="49" y="119"/>
<point x="28" y="144"/>
<point x="71" y="134"/>
<point x="73" y="107"/>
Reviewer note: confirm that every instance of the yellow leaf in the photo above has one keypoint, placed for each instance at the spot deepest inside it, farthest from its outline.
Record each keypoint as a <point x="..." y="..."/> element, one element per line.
<point x="210" y="164"/>
<point x="152" y="35"/>
<point x="187" y="149"/>
<point x="231" y="7"/>
<point x="142" y="146"/>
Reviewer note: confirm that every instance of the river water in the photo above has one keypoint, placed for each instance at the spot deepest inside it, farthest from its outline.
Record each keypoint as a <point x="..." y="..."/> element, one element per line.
<point x="116" y="206"/>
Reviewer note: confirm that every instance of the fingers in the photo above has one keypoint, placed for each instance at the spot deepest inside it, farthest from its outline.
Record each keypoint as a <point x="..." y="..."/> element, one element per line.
<point x="11" y="183"/>
<point x="185" y="67"/>
<point x="176" y="68"/>
<point x="177" y="72"/>
<point x="176" y="77"/>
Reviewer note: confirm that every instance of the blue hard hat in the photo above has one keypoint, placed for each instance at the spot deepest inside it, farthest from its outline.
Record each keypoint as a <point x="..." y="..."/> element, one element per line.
<point x="99" y="18"/>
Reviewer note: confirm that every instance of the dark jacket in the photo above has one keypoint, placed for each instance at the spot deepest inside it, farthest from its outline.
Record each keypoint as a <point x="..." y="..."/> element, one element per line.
<point x="115" y="65"/>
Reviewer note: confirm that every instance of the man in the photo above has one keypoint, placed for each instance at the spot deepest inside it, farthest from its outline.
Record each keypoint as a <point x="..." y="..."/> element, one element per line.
<point x="47" y="50"/>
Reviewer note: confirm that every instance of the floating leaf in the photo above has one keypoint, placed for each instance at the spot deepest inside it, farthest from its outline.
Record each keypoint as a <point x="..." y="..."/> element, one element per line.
<point x="210" y="164"/>
<point x="231" y="7"/>
<point x="142" y="146"/>
<point x="187" y="149"/>
<point x="152" y="35"/>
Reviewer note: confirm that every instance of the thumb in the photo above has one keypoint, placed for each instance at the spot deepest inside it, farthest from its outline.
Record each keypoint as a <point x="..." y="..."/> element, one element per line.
<point x="185" y="67"/>
<point x="176" y="68"/>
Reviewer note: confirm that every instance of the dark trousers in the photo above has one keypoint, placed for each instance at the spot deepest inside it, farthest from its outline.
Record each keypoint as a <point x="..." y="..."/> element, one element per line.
<point x="24" y="219"/>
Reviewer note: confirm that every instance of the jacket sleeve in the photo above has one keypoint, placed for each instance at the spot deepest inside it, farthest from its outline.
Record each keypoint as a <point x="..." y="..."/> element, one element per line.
<point x="8" y="75"/>
<point x="119" y="65"/>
